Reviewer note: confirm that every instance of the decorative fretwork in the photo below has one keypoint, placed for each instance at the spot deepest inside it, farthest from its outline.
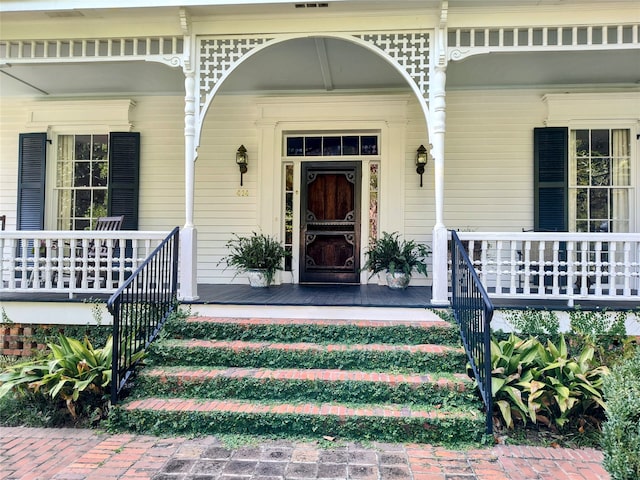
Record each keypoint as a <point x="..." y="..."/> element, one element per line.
<point x="217" y="55"/>
<point x="409" y="50"/>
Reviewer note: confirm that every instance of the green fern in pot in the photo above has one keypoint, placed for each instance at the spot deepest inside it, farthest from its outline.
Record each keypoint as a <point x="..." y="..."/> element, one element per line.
<point x="396" y="256"/>
<point x="256" y="252"/>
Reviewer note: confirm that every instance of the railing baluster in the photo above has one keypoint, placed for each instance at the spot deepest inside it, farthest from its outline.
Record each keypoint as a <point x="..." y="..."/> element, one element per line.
<point x="473" y="311"/>
<point x="141" y="306"/>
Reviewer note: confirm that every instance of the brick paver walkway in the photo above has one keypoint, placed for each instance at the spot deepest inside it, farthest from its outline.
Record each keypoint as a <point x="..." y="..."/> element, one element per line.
<point x="66" y="454"/>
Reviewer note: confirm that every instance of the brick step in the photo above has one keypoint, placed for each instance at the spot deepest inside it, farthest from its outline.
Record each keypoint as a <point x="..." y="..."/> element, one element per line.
<point x="308" y="385"/>
<point x="316" y="331"/>
<point x="379" y="422"/>
<point x="370" y="357"/>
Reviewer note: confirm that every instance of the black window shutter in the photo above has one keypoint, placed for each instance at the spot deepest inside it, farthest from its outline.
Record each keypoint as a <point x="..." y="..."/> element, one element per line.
<point x="550" y="147"/>
<point x="124" y="177"/>
<point x="32" y="156"/>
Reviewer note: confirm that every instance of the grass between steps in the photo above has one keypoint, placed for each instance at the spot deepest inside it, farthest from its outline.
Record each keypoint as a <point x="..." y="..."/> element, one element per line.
<point x="315" y="333"/>
<point x="453" y="431"/>
<point x="173" y="353"/>
<point x="308" y="390"/>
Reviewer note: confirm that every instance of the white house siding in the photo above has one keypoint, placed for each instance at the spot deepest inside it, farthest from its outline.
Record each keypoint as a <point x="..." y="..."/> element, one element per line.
<point x="222" y="206"/>
<point x="489" y="159"/>
<point x="12" y="119"/>
<point x="160" y="121"/>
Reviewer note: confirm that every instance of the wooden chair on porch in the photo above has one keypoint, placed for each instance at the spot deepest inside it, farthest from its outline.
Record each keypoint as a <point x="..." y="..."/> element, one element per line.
<point x="96" y="252"/>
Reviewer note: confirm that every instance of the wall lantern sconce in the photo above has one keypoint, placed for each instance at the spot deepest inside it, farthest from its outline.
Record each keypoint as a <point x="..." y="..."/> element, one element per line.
<point x="242" y="159"/>
<point x="421" y="161"/>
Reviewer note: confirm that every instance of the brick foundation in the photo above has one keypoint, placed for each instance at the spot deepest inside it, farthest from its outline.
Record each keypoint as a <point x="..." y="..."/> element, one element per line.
<point x="18" y="339"/>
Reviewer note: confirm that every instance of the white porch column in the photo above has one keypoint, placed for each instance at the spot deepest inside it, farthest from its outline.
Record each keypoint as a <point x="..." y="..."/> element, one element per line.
<point x="188" y="235"/>
<point x="440" y="247"/>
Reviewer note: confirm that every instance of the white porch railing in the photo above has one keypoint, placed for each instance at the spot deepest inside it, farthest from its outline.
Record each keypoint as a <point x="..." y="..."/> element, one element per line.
<point x="72" y="261"/>
<point x="557" y="265"/>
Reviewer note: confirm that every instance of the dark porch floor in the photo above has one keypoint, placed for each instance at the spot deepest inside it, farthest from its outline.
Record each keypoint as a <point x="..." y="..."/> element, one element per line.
<point x="315" y="295"/>
<point x="324" y="296"/>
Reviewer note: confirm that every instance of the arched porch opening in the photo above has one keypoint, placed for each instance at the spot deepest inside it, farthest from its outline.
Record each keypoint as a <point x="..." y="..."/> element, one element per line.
<point x="247" y="73"/>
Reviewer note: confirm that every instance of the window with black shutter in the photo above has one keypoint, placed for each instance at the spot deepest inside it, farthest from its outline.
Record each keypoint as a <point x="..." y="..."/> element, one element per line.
<point x="31" y="180"/>
<point x="550" y="179"/>
<point x="95" y="175"/>
<point x="124" y="174"/>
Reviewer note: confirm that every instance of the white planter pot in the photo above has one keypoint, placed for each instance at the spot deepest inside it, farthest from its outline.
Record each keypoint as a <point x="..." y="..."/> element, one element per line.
<point x="398" y="280"/>
<point x="257" y="278"/>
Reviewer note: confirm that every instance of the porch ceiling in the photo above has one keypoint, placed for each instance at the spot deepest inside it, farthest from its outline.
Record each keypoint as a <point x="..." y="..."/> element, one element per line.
<point x="311" y="65"/>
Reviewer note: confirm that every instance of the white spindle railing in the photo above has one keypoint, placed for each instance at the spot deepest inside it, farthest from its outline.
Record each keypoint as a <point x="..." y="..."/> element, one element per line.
<point x="91" y="49"/>
<point x="72" y="261"/>
<point x="557" y="265"/>
<point x="464" y="41"/>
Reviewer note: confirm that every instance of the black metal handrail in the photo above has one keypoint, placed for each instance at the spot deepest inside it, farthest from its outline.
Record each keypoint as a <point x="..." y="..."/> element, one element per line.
<point x="473" y="311"/>
<point x="140" y="308"/>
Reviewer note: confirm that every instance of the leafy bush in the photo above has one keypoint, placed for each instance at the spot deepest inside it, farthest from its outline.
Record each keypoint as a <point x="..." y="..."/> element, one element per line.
<point x="536" y="382"/>
<point x="534" y="322"/>
<point x="72" y="370"/>
<point x="621" y="431"/>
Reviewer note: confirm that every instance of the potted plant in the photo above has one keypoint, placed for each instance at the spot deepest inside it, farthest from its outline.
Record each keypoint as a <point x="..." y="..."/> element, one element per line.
<point x="258" y="255"/>
<point x="397" y="258"/>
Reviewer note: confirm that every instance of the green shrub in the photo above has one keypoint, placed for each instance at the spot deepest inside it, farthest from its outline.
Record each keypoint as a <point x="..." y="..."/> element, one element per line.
<point x="621" y="431"/>
<point x="534" y="322"/>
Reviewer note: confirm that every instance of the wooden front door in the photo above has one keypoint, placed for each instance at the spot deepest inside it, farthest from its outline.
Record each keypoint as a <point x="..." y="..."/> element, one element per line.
<point x="330" y="223"/>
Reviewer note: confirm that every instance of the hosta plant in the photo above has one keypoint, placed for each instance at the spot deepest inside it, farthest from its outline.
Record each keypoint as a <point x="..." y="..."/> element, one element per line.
<point x="542" y="383"/>
<point x="511" y="361"/>
<point x="564" y="387"/>
<point x="72" y="370"/>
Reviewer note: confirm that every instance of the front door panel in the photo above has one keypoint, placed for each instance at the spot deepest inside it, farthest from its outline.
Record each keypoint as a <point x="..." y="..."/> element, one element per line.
<point x="330" y="223"/>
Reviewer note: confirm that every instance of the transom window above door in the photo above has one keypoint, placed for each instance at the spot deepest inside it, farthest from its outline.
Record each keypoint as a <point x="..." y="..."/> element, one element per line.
<point x="331" y="145"/>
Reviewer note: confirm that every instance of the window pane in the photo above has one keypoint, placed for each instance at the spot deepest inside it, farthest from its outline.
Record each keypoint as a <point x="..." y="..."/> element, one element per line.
<point x="313" y="146"/>
<point x="350" y="145"/>
<point x="83" y="203"/>
<point x="83" y="147"/>
<point x="295" y="146"/>
<point x="582" y="174"/>
<point x="99" y="174"/>
<point x="331" y="146"/>
<point x="100" y="147"/>
<point x="600" y="175"/>
<point x="621" y="172"/>
<point x="65" y="147"/>
<point x="64" y="174"/>
<point x="582" y="226"/>
<point x="582" y="203"/>
<point x="82" y="224"/>
<point x="599" y="226"/>
<point x="369" y="145"/>
<point x="582" y="143"/>
<point x="99" y="207"/>
<point x="289" y="177"/>
<point x="620" y="140"/>
<point x="81" y="175"/>
<point x="599" y="203"/>
<point x="600" y="143"/>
